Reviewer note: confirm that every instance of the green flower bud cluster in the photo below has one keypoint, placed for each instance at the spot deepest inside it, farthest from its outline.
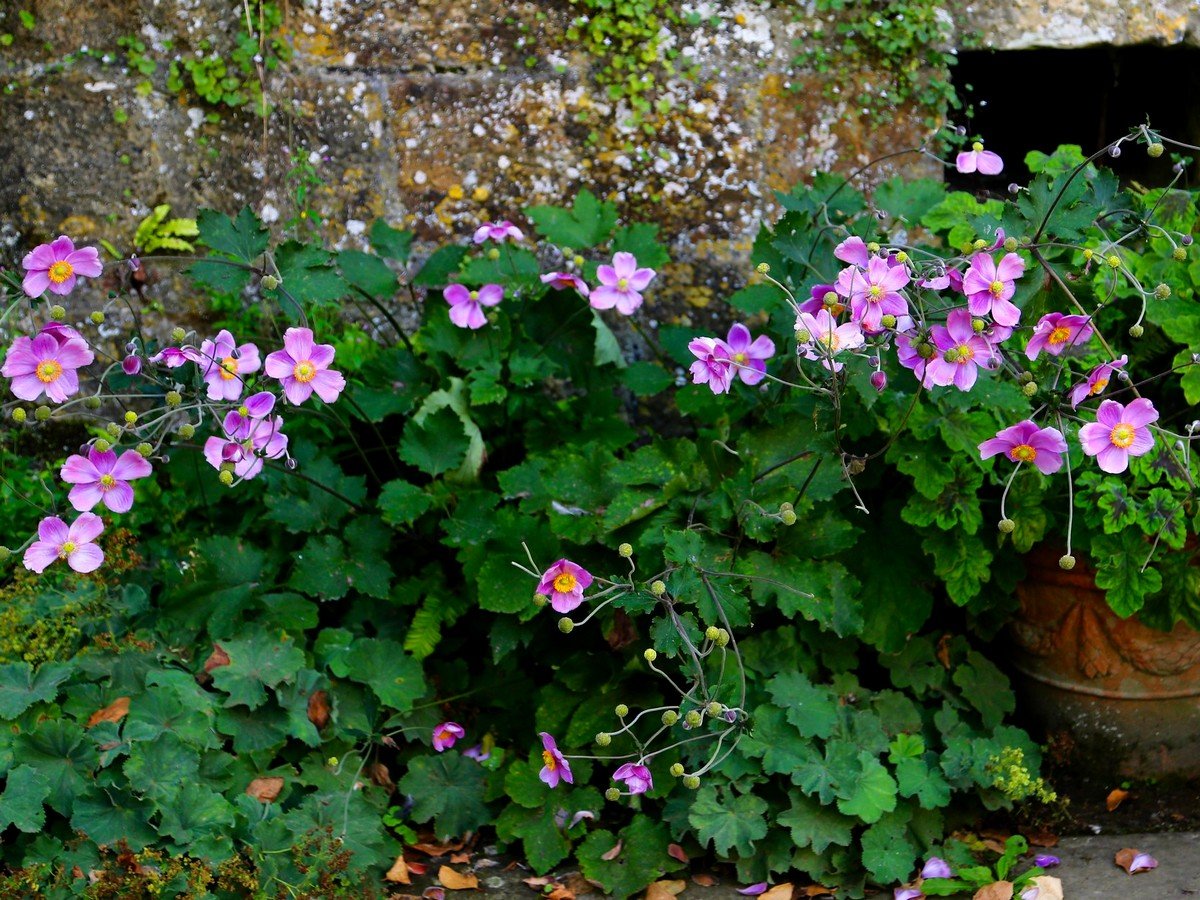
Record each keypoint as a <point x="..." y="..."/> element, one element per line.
<point x="177" y="335"/>
<point x="650" y="655"/>
<point x="1162" y="291"/>
<point x="691" y="782"/>
<point x="42" y="413"/>
<point x="670" y="717"/>
<point x="144" y="450"/>
<point x="103" y="446"/>
<point x="1066" y="562"/>
<point x="657" y="588"/>
<point x="187" y="431"/>
<point x="694" y="718"/>
<point x="1136" y="331"/>
<point x="93" y="402"/>
<point x="1029" y="388"/>
<point x="1155" y="150"/>
<point x="1179" y="254"/>
<point x="58" y="313"/>
<point x="677" y="770"/>
<point x="225" y="477"/>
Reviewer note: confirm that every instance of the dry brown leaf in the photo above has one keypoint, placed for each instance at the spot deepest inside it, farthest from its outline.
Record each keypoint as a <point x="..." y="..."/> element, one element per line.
<point x="319" y="709"/>
<point x="997" y="890"/>
<point x="1045" y="839"/>
<point x="561" y="892"/>
<point x="460" y="858"/>
<point x="265" y="789"/>
<point x="819" y="890"/>
<point x="665" y="890"/>
<point x="398" y="873"/>
<point x="436" y="849"/>
<point x="537" y="882"/>
<point x="417" y="868"/>
<point x="456" y="881"/>
<point x="943" y="650"/>
<point x="216" y="659"/>
<point x="994" y="845"/>
<point x="1049" y="887"/>
<point x="612" y="854"/>
<point x="1127" y="858"/>
<point x="379" y="774"/>
<point x="778" y="892"/>
<point x="704" y="880"/>
<point x="622" y="633"/>
<point x="1115" y="798"/>
<point x="578" y="885"/>
<point x="114" y="712"/>
<point x="677" y="852"/>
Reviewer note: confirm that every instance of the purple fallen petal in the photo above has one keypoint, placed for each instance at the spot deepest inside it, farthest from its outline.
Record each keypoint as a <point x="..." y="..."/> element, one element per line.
<point x="754" y="890"/>
<point x="1046" y="861"/>
<point x="936" y="867"/>
<point x="907" y="893"/>
<point x="1142" y="862"/>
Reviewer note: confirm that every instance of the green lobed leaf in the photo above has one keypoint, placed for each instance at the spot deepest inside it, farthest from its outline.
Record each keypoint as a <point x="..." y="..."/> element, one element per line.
<point x="21" y="804"/>
<point x="641" y="859"/>
<point x="396" y="678"/>
<point x="255" y="664"/>
<point x="729" y="822"/>
<point x="447" y="788"/>
<point x="21" y="686"/>
<point x="243" y="238"/>
<point x="390" y="242"/>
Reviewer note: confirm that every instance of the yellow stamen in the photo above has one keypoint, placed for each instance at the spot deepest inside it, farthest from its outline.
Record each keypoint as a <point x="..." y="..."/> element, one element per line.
<point x="965" y="354"/>
<point x="304" y="372"/>
<point x="1122" y="435"/>
<point x="565" y="583"/>
<point x="60" y="271"/>
<point x="1059" y="335"/>
<point x="740" y="358"/>
<point x="1022" y="453"/>
<point x="1100" y="385"/>
<point x="66" y="549"/>
<point x="229" y="368"/>
<point x="49" y="370"/>
<point x="549" y="760"/>
<point x="875" y="291"/>
<point x="622" y="284"/>
<point x="107" y="481"/>
<point x="996" y="288"/>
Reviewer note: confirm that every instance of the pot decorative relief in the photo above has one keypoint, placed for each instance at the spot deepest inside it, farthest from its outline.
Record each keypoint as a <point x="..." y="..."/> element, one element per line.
<point x="1127" y="694"/>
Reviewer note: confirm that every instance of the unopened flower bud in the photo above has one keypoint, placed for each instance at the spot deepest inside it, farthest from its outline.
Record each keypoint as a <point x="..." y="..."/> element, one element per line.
<point x="621" y="710"/>
<point x="332" y="762"/>
<point x="1029" y="388"/>
<point x="102" y="446"/>
<point x="612" y="795"/>
<point x="1025" y="377"/>
<point x="650" y="654"/>
<point x="901" y="256"/>
<point x="173" y="398"/>
<point x="694" y="718"/>
<point x="144" y="450"/>
<point x="18" y="415"/>
<point x="113" y="429"/>
<point x="951" y="355"/>
<point x="1114" y="261"/>
<point x="270" y="282"/>
<point x="131" y="417"/>
<point x="887" y="321"/>
<point x="1114" y="151"/>
<point x="186" y="431"/>
<point x="1136" y="331"/>
<point x="625" y="550"/>
<point x="1010" y="244"/>
<point x="691" y="782"/>
<point x="225" y="477"/>
<point x="540" y="600"/>
<point x="1155" y="150"/>
<point x="1186" y="240"/>
<point x="712" y="632"/>
<point x="565" y="625"/>
<point x="58" y="313"/>
<point x="722" y="637"/>
<point x="979" y="244"/>
<point x="1179" y="254"/>
<point x="92" y="402"/>
<point x="873" y="247"/>
<point x="1066" y="562"/>
<point x="1006" y="526"/>
<point x="1162" y="291"/>
<point x="677" y="770"/>
<point x="763" y="268"/>
<point x="657" y="588"/>
<point x="714" y="709"/>
<point x="1088" y="253"/>
<point x="493" y="254"/>
<point x="604" y="739"/>
<point x="42" y="413"/>
<point x="925" y="350"/>
<point x="5" y="553"/>
<point x="97" y="317"/>
<point x="788" y="517"/>
<point x="177" y="335"/>
<point x="979" y="326"/>
<point x="670" y="717"/>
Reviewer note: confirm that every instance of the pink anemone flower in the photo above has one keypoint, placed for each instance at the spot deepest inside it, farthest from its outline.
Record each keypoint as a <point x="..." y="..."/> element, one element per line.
<point x="46" y="365"/>
<point x="498" y="232"/>
<point x="961" y="352"/>
<point x="466" y="306"/>
<point x="564" y="583"/>
<point x="555" y="768"/>
<point x="75" y="544"/>
<point x="875" y="293"/>
<point x="565" y="280"/>
<point x="174" y="357"/>
<point x="1097" y="380"/>
<point x="224" y="365"/>
<point x="102" y="477"/>
<point x="821" y="338"/>
<point x="56" y="267"/>
<point x="446" y="734"/>
<point x="247" y="442"/>
<point x="303" y="367"/>
<point x="713" y="365"/>
<point x="749" y="354"/>
<point x="853" y="250"/>
<point x="985" y="162"/>
<point x="1026" y="443"/>
<point x="1055" y="332"/>
<point x="637" y="778"/>
<point x="990" y="285"/>
<point x="823" y="296"/>
<point x="621" y="284"/>
<point x="936" y="867"/>
<point x="1118" y="433"/>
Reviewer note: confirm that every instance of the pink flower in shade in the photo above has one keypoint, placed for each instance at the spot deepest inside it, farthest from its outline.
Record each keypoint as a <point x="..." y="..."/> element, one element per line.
<point x="555" y="768"/>
<point x="1097" y="380"/>
<point x="985" y="162"/>
<point x="1055" y="332"/>
<point x="446" y="734"/>
<point x="303" y="367"/>
<point x="914" y="347"/>
<point x="1118" y="433"/>
<point x="853" y="250"/>
<point x="713" y="365"/>
<point x="1026" y="443"/>
<point x="224" y="366"/>
<point x="636" y="777"/>
<point x="564" y="583"/>
<point x="874" y="293"/>
<point x="989" y="286"/>
<point x="248" y="441"/>
<point x="131" y="365"/>
<point x="477" y="753"/>
<point x="103" y="477"/>
<point x="961" y="352"/>
<point x="498" y="232"/>
<point x="46" y="365"/>
<point x="466" y="307"/>
<point x="174" y="357"/>
<point x="57" y="265"/>
<point x="907" y="892"/>
<point x="621" y="284"/>
<point x="821" y="338"/>
<point x="936" y="867"/>
<point x="749" y="355"/>
<point x="62" y="333"/>
<point x="564" y="281"/>
<point x="823" y="296"/>
<point x="74" y="544"/>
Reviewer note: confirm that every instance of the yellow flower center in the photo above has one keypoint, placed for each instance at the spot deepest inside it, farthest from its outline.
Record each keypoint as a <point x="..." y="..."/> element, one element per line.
<point x="229" y="368"/>
<point x="1100" y="385"/>
<point x="549" y="760"/>
<point x="977" y="146"/>
<point x="831" y="341"/>
<point x="1122" y="435"/>
<point x="48" y="370"/>
<point x="61" y="271"/>
<point x="996" y="288"/>
<point x="1022" y="453"/>
<point x="66" y="549"/>
<point x="107" y="481"/>
<point x="1059" y="335"/>
<point x="875" y="292"/>
<point x="966" y="353"/>
<point x="622" y="284"/>
<point x="474" y="295"/>
<point x="304" y="372"/>
<point x="565" y="583"/>
<point x="739" y="358"/>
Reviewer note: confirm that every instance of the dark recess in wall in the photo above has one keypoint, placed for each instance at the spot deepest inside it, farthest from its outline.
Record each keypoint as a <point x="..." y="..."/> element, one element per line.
<point x="1037" y="99"/>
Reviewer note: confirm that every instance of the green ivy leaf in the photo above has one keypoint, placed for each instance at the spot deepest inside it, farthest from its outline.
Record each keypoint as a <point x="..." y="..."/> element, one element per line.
<point x="730" y="823"/>
<point x="25" y="792"/>
<point x="255" y="664"/>
<point x="449" y="789"/>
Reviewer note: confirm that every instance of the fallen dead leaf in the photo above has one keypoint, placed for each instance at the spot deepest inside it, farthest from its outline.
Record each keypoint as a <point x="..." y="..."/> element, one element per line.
<point x="612" y="854"/>
<point x="997" y="890"/>
<point x="265" y="789"/>
<point x="943" y="650"/>
<point x="1049" y="887"/>
<point x="114" y="712"/>
<point x="538" y="882"/>
<point x="460" y="858"/>
<point x="379" y="774"/>
<point x="456" y="881"/>
<point x="665" y="890"/>
<point x="578" y="885"/>
<point x="677" y="852"/>
<point x="1134" y="861"/>
<point x="704" y="880"/>
<point x="994" y="845"/>
<point x="1115" y="798"/>
<point x="561" y="892"/>
<point x="319" y="709"/>
<point x="216" y="659"/>
<point x="779" y="892"/>
<point x="434" y="893"/>
<point x="436" y="849"/>
<point x="398" y="873"/>
<point x="819" y="890"/>
<point x="418" y="868"/>
<point x="1045" y="839"/>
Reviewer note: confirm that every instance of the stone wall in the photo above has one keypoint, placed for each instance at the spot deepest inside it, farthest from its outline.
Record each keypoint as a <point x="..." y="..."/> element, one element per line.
<point x="438" y="114"/>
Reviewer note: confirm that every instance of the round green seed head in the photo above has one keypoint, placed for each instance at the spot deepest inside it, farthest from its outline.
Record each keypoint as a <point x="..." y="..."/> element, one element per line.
<point x="604" y="739"/>
<point x="130" y="417"/>
<point x="113" y="429"/>
<point x="1162" y="291"/>
<point x="97" y="317"/>
<point x="625" y="550"/>
<point x="1066" y="562"/>
<point x="493" y="254"/>
<point x="42" y="413"/>
<point x="1010" y="244"/>
<point x="173" y="398"/>
<point x="787" y="517"/>
<point x="691" y="782"/>
<point x="888" y="321"/>
<point x="978" y="326"/>
<point x="785" y="507"/>
<point x="1154" y="150"/>
<point x="1114" y="261"/>
<point x="144" y="450"/>
<point x="722" y="637"/>
<point x="677" y="770"/>
<point x="872" y="247"/>
<point x="712" y="632"/>
<point x="622" y="710"/>
<point x="950" y="355"/>
<point x="650" y="655"/>
<point x="1179" y="254"/>
<point x="670" y="717"/>
<point x="92" y="402"/>
<point x="270" y="282"/>
<point x="1006" y="526"/>
<point x="714" y="709"/>
<point x="58" y="313"/>
<point x="102" y="445"/>
<point x="1136" y="331"/>
<point x="763" y="268"/>
<point x="187" y="431"/>
<point x="612" y="795"/>
<point x="578" y="260"/>
<point x="901" y="256"/>
<point x="1029" y="388"/>
<point x="18" y="415"/>
<point x="565" y="625"/>
<point x="694" y="718"/>
<point x="177" y="335"/>
<point x="5" y="553"/>
<point x="540" y="600"/>
<point x="225" y="477"/>
<point x="1025" y="377"/>
<point x="657" y="588"/>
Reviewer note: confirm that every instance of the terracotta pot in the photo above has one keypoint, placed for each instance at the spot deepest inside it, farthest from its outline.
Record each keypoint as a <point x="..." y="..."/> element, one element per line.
<point x="1127" y="694"/>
